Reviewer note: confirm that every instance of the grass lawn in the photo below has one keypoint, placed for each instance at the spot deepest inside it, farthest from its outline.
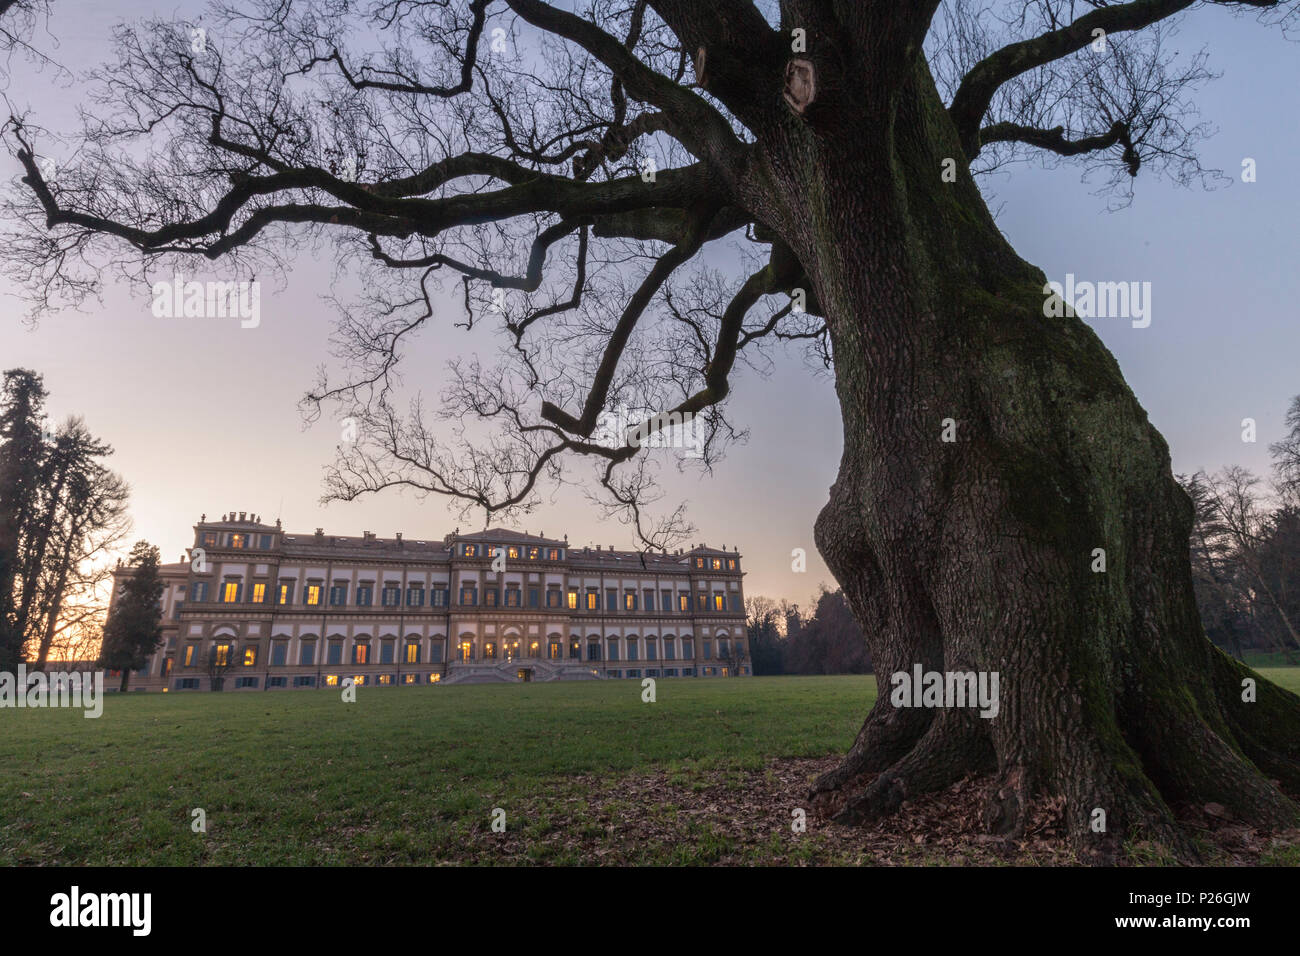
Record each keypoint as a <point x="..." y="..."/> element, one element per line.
<point x="585" y="772"/>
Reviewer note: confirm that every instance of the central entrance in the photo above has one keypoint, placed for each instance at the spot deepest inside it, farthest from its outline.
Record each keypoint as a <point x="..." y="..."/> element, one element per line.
<point x="510" y="649"/>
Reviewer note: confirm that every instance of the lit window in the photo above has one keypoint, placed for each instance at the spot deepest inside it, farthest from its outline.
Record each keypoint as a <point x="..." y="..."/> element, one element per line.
<point x="259" y="593"/>
<point x="408" y="678"/>
<point x="717" y="564"/>
<point x="512" y="552"/>
<point x="412" y="653"/>
<point x="434" y="678"/>
<point x="468" y="596"/>
<point x="470" y="550"/>
<point x="250" y="656"/>
<point x="466" y="650"/>
<point x="189" y="655"/>
<point x="699" y="562"/>
<point x="285" y="591"/>
<point x="361" y="654"/>
<point x="385" y="678"/>
<point x="311" y="595"/>
<point x="553" y="554"/>
<point x="629" y="601"/>
<point x="731" y="564"/>
<point x="359" y="680"/>
<point x="222" y="654"/>
<point x="717" y="603"/>
<point x="230" y="592"/>
<point x="593" y="601"/>
<point x="236" y="540"/>
<point x="573" y="600"/>
<point x="532" y="554"/>
<point x="683" y="602"/>
<point x="331" y="680"/>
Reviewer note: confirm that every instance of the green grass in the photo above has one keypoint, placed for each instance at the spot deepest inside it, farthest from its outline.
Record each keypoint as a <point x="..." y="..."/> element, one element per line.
<point x="586" y="772"/>
<point x="402" y="775"/>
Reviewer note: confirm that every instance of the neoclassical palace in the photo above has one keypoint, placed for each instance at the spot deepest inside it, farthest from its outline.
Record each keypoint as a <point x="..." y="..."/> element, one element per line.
<point x="255" y="608"/>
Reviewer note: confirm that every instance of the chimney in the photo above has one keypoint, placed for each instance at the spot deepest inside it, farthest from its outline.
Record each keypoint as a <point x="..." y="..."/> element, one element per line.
<point x="242" y="514"/>
<point x="597" y="547"/>
<point x="399" y="537"/>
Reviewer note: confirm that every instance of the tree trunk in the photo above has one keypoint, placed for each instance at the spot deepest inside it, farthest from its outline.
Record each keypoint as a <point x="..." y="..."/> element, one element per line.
<point x="977" y="554"/>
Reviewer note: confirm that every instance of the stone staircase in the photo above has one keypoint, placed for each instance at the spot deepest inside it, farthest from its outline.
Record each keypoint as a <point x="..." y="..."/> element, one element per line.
<point x="507" y="672"/>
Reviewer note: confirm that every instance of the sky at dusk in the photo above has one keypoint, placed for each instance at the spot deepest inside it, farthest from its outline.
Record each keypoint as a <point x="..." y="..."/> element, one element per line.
<point x="203" y="413"/>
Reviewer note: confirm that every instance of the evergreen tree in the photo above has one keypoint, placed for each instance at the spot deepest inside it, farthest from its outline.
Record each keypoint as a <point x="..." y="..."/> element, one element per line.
<point x="22" y="457"/>
<point x="134" y="627"/>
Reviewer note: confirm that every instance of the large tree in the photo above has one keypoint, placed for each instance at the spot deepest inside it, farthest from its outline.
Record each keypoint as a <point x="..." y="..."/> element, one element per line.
<point x="576" y="170"/>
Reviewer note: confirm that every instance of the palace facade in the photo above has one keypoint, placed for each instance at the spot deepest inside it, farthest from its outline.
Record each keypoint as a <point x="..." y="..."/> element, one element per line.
<point x="255" y="608"/>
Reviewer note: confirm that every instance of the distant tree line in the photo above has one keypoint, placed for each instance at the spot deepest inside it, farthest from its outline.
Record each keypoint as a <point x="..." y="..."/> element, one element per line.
<point x="784" y="640"/>
<point x="1245" y="551"/>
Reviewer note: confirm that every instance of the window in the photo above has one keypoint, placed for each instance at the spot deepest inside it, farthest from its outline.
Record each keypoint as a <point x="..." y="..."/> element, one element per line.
<point x="230" y="592"/>
<point x="612" y="655"/>
<point x="723" y="647"/>
<point x="331" y="680"/>
<point x="237" y="541"/>
<point x="386" y="652"/>
<point x="286" y="593"/>
<point x="665" y="600"/>
<point x="391" y="596"/>
<point x="385" y="679"/>
<point x="699" y="563"/>
<point x="701" y="601"/>
<point x="490" y="651"/>
<point x="649" y="600"/>
<point x="556" y="651"/>
<point x="717" y="564"/>
<point x="200" y="591"/>
<point x="512" y="553"/>
<point x="683" y="602"/>
<point x="307" y="653"/>
<point x="731" y="564"/>
<point x="553" y="554"/>
<point x="361" y="653"/>
<point x="221" y="654"/>
<point x="189" y="683"/>
<point x="176" y="610"/>
<point x="471" y="550"/>
<point x="634" y="673"/>
<point x="277" y="681"/>
<point x="629" y="601"/>
<point x="434" y="678"/>
<point x="338" y="595"/>
<point x="512" y="597"/>
<point x="438" y="597"/>
<point x="305" y="680"/>
<point x="534" y="596"/>
<point x="593" y="650"/>
<point x="435" y="651"/>
<point x="631" y="649"/>
<point x="311" y="595"/>
<point x="359" y="680"/>
<point x="466" y="650"/>
<point x="532" y="554"/>
<point x="259" y="593"/>
<point x="575" y="649"/>
<point x="670" y="649"/>
<point x="468" y="595"/>
<point x="593" y="599"/>
<point x="708" y="650"/>
<point x="688" y="651"/>
<point x="365" y="595"/>
<point x="650" y="649"/>
<point x="688" y="671"/>
<point x="490" y="597"/>
<point x="266" y="542"/>
<point x="718" y="603"/>
<point x="735" y="603"/>
<point x="573" y="600"/>
<point x="412" y="653"/>
<point x="611" y="599"/>
<point x="245" y="682"/>
<point x="334" y="653"/>
<point x="189" y="654"/>
<point x="250" y="655"/>
<point x="415" y="597"/>
<point x="408" y="678"/>
<point x="279" y="653"/>
<point x="553" y="597"/>
<point x="209" y="539"/>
